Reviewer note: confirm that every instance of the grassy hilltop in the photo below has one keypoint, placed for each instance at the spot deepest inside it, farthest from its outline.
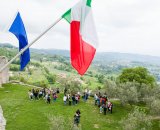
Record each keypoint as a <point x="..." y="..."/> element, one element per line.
<point x="23" y="114"/>
<point x="137" y="107"/>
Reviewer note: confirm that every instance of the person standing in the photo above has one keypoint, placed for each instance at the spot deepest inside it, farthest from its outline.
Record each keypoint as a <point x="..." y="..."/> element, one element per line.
<point x="73" y="99"/>
<point x="57" y="91"/>
<point x="110" y="106"/>
<point x="65" y="99"/>
<point x="104" y="108"/>
<point x="30" y="95"/>
<point x="55" y="97"/>
<point x="48" y="98"/>
<point x="77" y="117"/>
<point x="100" y="109"/>
<point x="76" y="99"/>
<point x="65" y="90"/>
<point x="70" y="100"/>
<point x="95" y="99"/>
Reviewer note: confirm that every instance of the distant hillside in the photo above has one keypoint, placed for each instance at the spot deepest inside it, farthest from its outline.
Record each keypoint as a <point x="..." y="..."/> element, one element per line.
<point x="64" y="53"/>
<point x="115" y="56"/>
<point x="101" y="57"/>
<point x="7" y="45"/>
<point x="105" y="57"/>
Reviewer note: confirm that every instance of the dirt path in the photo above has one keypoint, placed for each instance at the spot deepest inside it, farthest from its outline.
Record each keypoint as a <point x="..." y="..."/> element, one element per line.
<point x="23" y="84"/>
<point x="155" y="117"/>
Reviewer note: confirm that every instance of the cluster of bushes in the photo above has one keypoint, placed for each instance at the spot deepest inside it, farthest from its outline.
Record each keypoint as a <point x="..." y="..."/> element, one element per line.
<point x="133" y="93"/>
<point x="64" y="67"/>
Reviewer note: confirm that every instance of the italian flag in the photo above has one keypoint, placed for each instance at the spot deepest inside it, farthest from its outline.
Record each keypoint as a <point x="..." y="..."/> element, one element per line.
<point x="82" y="34"/>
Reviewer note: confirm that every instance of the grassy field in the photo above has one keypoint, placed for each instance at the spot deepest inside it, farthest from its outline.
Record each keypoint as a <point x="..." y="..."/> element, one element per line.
<point x="24" y="114"/>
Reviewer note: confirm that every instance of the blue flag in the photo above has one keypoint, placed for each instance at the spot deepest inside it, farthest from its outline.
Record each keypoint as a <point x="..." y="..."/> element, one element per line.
<point x="18" y="29"/>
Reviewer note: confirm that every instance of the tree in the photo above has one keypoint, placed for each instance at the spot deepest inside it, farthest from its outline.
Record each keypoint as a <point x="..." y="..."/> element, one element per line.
<point x="136" y="120"/>
<point x="75" y="86"/>
<point x="153" y="101"/>
<point x="127" y="93"/>
<point x="72" y="85"/>
<point x="51" y="78"/>
<point x="43" y="83"/>
<point x="138" y="74"/>
<point x="154" y="106"/>
<point x="101" y="78"/>
<point x="110" y="89"/>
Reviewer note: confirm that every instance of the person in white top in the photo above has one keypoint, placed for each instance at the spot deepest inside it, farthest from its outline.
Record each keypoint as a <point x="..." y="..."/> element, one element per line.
<point x="30" y="95"/>
<point x="95" y="98"/>
<point x="65" y="99"/>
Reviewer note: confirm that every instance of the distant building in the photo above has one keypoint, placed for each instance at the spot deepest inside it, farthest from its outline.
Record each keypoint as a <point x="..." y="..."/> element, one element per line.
<point x="4" y="75"/>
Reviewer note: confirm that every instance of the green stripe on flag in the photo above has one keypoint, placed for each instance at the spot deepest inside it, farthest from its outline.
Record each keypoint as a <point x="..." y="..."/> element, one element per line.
<point x="89" y="3"/>
<point x="67" y="16"/>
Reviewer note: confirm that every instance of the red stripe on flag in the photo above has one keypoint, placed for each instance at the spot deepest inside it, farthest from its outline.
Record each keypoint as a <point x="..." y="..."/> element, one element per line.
<point x="81" y="52"/>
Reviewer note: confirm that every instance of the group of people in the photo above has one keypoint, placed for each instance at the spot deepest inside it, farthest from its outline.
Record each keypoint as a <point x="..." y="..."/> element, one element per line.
<point x="47" y="94"/>
<point x="103" y="103"/>
<point x="71" y="99"/>
<point x="44" y="93"/>
<point x="52" y="94"/>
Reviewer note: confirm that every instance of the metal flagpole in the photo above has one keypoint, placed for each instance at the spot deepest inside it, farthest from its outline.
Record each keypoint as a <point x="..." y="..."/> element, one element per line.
<point x="26" y="47"/>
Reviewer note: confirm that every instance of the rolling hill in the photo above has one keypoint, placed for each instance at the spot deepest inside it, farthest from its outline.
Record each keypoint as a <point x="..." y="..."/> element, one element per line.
<point x="101" y="57"/>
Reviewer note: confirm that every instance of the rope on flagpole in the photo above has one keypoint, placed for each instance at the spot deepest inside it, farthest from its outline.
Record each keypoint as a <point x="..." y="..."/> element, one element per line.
<point x="26" y="47"/>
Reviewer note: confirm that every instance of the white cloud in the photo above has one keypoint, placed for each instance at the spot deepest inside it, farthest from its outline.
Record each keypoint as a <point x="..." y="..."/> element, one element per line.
<point x="131" y="26"/>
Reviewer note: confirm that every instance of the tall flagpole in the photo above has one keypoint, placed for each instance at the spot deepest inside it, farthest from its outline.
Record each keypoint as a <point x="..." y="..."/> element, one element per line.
<point x="26" y="47"/>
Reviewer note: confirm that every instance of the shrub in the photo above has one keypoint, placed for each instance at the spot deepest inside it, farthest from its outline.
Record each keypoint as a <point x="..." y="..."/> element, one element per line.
<point x="75" y="86"/>
<point x="14" y="67"/>
<point x="43" y="83"/>
<point x="22" y="79"/>
<point x="13" y="78"/>
<point x="34" y="63"/>
<point x="59" y="123"/>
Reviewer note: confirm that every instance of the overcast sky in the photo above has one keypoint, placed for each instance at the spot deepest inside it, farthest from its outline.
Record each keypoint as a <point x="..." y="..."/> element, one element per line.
<point x="129" y="26"/>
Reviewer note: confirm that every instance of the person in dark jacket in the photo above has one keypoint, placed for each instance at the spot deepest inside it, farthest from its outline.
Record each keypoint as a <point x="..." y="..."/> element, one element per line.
<point x="77" y="117"/>
<point x="104" y="108"/>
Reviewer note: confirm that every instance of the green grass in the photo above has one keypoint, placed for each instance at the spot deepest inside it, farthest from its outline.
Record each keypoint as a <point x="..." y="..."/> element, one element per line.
<point x="23" y="114"/>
